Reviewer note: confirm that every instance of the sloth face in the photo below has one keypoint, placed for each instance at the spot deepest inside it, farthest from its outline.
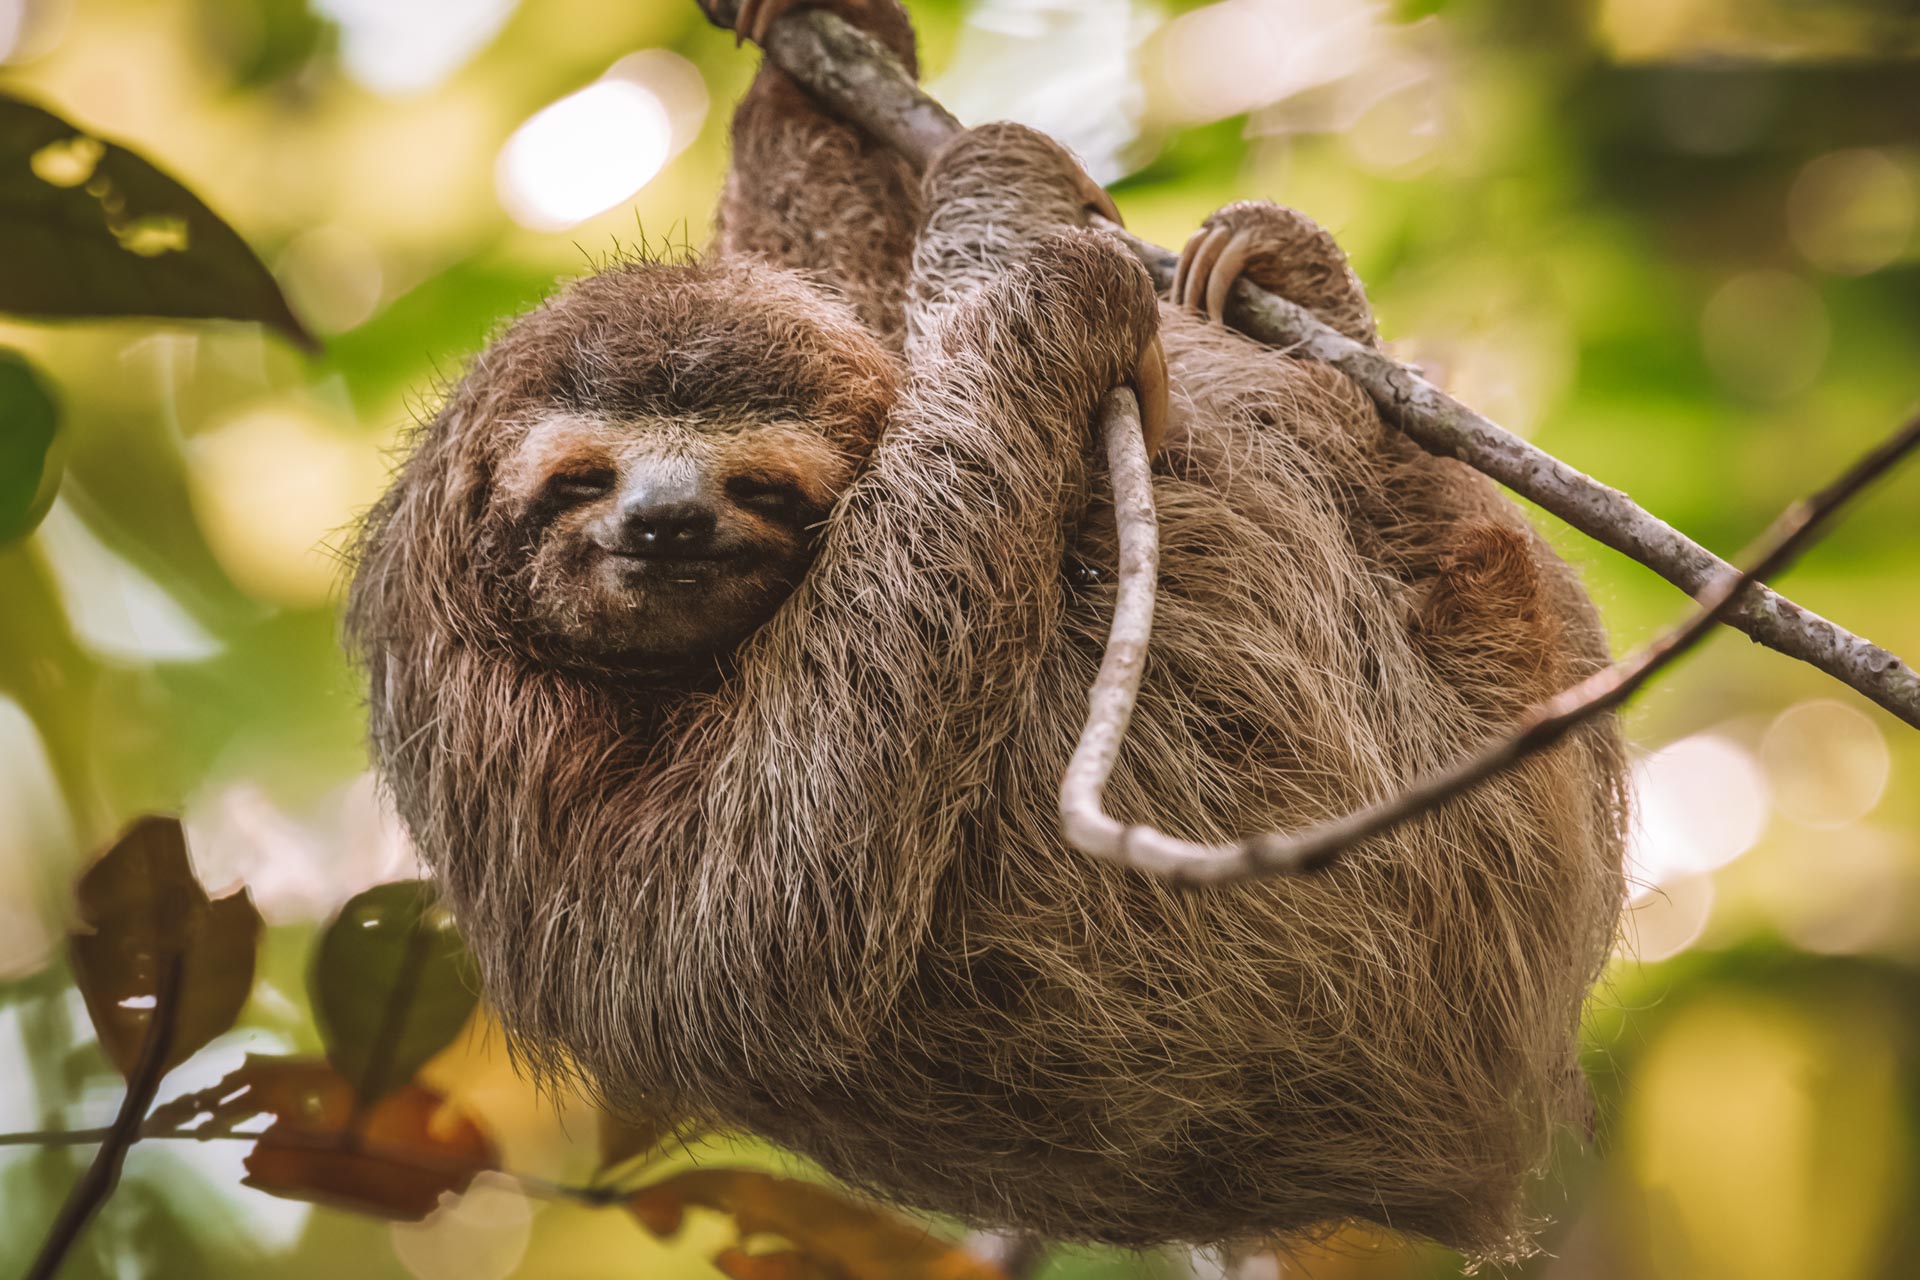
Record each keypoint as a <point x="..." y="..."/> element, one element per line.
<point x="650" y="543"/>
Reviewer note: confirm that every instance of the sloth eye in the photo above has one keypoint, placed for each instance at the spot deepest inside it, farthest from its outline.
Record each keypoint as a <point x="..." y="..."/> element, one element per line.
<point x="770" y="495"/>
<point x="569" y="487"/>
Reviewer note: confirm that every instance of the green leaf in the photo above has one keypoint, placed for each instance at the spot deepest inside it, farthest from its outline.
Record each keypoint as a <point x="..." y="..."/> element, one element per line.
<point x="392" y="985"/>
<point x="29" y="421"/>
<point x="91" y="229"/>
<point x="140" y="907"/>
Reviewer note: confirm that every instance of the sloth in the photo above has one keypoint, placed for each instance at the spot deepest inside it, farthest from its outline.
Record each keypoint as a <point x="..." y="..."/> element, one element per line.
<point x="728" y="629"/>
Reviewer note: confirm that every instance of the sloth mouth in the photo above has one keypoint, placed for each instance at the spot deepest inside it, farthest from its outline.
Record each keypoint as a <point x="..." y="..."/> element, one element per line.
<point x="636" y="567"/>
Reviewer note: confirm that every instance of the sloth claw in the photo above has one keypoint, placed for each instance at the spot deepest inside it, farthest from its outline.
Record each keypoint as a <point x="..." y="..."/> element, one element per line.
<point x="1150" y="388"/>
<point x="755" y="17"/>
<point x="1226" y="273"/>
<point x="1210" y="265"/>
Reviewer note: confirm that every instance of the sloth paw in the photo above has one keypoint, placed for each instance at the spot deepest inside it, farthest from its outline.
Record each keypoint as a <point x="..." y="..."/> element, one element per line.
<point x="1281" y="250"/>
<point x="882" y="19"/>
<point x="754" y="18"/>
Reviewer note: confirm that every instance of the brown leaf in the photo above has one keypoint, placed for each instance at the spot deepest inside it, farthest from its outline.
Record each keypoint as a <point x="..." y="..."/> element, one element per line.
<point x="658" y="1210"/>
<point x="139" y="908"/>
<point x="741" y="1265"/>
<point x="848" y="1239"/>
<point x="392" y="1159"/>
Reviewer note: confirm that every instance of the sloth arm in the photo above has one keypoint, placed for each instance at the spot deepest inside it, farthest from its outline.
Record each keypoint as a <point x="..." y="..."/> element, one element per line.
<point x="865" y="715"/>
<point x="811" y="192"/>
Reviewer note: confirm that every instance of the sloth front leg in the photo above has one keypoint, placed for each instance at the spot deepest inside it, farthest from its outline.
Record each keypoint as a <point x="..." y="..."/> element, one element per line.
<point x="993" y="196"/>
<point x="1284" y="252"/>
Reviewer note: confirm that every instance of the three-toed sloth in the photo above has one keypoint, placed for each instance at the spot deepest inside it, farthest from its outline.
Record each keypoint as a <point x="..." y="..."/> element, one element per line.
<point x="728" y="630"/>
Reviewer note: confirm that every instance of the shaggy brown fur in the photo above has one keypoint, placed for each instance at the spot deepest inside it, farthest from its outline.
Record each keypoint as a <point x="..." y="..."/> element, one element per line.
<point x="817" y="891"/>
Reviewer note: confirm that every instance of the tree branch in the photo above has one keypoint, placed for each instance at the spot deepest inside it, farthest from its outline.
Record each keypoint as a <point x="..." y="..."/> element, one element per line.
<point x="1111" y="703"/>
<point x="98" y="1182"/>
<point x="858" y="79"/>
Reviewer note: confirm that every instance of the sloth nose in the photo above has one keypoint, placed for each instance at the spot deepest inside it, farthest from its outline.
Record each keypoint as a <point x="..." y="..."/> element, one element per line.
<point x="667" y="525"/>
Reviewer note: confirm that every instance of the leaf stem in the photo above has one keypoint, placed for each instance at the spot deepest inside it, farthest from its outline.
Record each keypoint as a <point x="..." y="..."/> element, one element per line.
<point x="103" y="1175"/>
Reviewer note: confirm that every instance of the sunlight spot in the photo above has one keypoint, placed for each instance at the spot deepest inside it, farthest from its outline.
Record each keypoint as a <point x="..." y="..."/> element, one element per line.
<point x="152" y="235"/>
<point x="1852" y="212"/>
<point x="68" y="162"/>
<point x="274" y="487"/>
<point x="1306" y="66"/>
<point x="1698" y="804"/>
<point x="1848" y="893"/>
<point x="481" y="1235"/>
<point x="36" y="846"/>
<point x="299" y="869"/>
<point x="677" y="83"/>
<point x="118" y="611"/>
<point x="1827" y="762"/>
<point x="583" y="155"/>
<point x="31" y="28"/>
<point x="408" y="47"/>
<point x="1068" y="68"/>
<point x="334" y="277"/>
<point x="1663" y="923"/>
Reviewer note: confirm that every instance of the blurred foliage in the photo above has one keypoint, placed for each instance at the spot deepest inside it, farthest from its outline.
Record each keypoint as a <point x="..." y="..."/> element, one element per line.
<point x="1674" y="241"/>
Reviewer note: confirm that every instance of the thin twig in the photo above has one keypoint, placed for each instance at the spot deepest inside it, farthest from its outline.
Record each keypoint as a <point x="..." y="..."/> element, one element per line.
<point x="1279" y="852"/>
<point x="103" y="1174"/>
<point x="853" y="75"/>
<point x="1442" y="425"/>
<point x="330" y="1144"/>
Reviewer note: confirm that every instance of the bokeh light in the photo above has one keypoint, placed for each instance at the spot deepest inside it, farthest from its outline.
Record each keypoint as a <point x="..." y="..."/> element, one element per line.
<point x="583" y="154"/>
<point x="35" y="845"/>
<point x="1827" y="763"/>
<point x="1242" y="55"/>
<point x="1848" y="893"/>
<point x="1698" y="804"/>
<point x="677" y="83"/>
<point x="1069" y="68"/>
<point x="1663" y="922"/>
<point x="412" y="46"/>
<point x="1851" y="212"/>
<point x="332" y="276"/>
<point x="479" y="1235"/>
<point x="116" y="610"/>
<point x="299" y="869"/>
<point x="276" y="488"/>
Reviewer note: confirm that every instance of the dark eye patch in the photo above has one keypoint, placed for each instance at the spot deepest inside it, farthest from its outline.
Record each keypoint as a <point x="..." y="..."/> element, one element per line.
<point x="769" y="493"/>
<point x="577" y="484"/>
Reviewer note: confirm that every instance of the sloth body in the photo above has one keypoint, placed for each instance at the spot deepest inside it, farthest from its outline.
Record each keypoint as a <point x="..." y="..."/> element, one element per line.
<point x="761" y="830"/>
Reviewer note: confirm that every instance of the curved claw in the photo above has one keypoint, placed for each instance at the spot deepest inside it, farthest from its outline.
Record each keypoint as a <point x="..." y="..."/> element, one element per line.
<point x="766" y="13"/>
<point x="1184" y="267"/>
<point x="1200" y="268"/>
<point x="1150" y="387"/>
<point x="755" y="18"/>
<point x="1099" y="200"/>
<point x="1226" y="273"/>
